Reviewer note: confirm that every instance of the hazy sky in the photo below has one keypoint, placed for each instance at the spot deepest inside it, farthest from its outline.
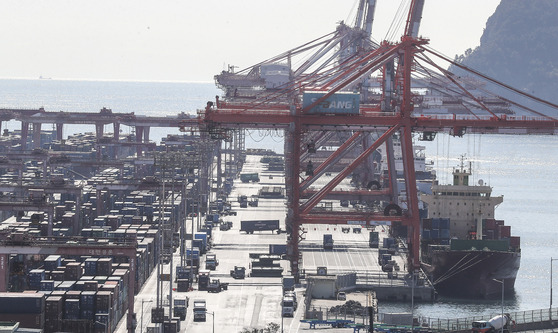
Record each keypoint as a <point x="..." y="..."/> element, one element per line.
<point x="192" y="40"/>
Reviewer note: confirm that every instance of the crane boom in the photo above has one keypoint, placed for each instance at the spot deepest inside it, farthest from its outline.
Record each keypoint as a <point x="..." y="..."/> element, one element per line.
<point x="414" y="17"/>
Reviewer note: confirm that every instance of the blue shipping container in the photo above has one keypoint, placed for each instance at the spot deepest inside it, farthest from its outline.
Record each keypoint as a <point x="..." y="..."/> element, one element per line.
<point x="425" y="234"/>
<point x="71" y="309"/>
<point x="277" y="249"/>
<point x="444" y="223"/>
<point x="22" y="303"/>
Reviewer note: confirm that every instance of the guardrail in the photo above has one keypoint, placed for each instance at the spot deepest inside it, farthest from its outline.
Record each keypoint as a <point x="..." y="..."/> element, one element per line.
<point x="522" y="320"/>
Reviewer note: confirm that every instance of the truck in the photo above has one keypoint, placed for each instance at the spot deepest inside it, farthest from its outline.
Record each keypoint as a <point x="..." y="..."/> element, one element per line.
<point x="259" y="225"/>
<point x="205" y="242"/>
<point x="203" y="279"/>
<point x="288" y="306"/>
<point x="291" y="293"/>
<point x="328" y="242"/>
<point x="288" y="283"/>
<point x="180" y="306"/>
<point x="493" y="325"/>
<point x="199" y="310"/>
<point x="243" y="200"/>
<point x="374" y="240"/>
<point x="216" y="286"/>
<point x="194" y="256"/>
<point x="253" y="201"/>
<point x="225" y="225"/>
<point x="239" y="272"/>
<point x="249" y="177"/>
<point x="211" y="261"/>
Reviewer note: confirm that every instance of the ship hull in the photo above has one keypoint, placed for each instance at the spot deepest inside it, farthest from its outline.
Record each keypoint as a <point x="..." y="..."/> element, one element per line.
<point x="471" y="274"/>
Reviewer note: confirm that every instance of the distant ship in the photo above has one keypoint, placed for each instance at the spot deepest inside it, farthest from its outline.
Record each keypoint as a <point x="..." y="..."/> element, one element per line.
<point x="44" y="78"/>
<point x="465" y="251"/>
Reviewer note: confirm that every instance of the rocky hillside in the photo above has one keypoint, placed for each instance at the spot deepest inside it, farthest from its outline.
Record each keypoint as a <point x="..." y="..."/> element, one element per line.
<point x="519" y="47"/>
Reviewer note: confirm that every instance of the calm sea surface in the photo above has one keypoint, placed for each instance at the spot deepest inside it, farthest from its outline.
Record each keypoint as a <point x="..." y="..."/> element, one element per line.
<point x="524" y="169"/>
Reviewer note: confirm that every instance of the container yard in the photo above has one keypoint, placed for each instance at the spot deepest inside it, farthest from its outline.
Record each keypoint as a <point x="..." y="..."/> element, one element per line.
<point x="109" y="240"/>
<point x="80" y="235"/>
<point x="112" y="232"/>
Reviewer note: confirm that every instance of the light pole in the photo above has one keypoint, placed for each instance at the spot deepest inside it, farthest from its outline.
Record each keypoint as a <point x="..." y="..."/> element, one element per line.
<point x="141" y="319"/>
<point x="413" y="300"/>
<point x="212" y="315"/>
<point x="282" y="319"/>
<point x="502" y="282"/>
<point x="550" y="308"/>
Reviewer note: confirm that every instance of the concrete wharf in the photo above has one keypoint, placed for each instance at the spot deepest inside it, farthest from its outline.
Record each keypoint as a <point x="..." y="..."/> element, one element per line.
<point x="256" y="301"/>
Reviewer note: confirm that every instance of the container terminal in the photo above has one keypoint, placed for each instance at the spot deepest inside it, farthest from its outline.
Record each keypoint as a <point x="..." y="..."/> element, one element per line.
<point x="108" y="233"/>
<point x="86" y="240"/>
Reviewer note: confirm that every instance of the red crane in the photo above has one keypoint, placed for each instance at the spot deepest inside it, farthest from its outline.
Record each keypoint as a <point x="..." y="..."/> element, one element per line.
<point x="361" y="96"/>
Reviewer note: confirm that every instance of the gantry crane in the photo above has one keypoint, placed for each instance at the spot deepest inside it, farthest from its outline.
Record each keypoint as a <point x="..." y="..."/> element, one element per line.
<point x="310" y="103"/>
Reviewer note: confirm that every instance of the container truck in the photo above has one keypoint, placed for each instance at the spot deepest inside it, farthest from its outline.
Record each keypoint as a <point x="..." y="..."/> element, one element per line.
<point x="211" y="261"/>
<point x="288" y="306"/>
<point x="180" y="306"/>
<point x="203" y="237"/>
<point x="238" y="272"/>
<point x="199" y="310"/>
<point x="216" y="286"/>
<point x="225" y="225"/>
<point x="243" y="200"/>
<point x="203" y="279"/>
<point x="253" y="201"/>
<point x="249" y="177"/>
<point x="374" y="240"/>
<point x="493" y="325"/>
<point x="328" y="242"/>
<point x="259" y="225"/>
<point x="288" y="283"/>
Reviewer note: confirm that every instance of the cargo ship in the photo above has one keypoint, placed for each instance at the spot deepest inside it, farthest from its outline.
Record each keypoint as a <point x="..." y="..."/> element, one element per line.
<point x="464" y="249"/>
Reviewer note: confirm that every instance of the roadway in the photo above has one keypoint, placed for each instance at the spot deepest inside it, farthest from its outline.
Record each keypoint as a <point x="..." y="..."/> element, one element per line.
<point x="254" y="302"/>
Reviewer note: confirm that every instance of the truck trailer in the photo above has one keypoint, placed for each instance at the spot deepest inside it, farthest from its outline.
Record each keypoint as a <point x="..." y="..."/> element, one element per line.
<point x="259" y="225"/>
<point x="249" y="177"/>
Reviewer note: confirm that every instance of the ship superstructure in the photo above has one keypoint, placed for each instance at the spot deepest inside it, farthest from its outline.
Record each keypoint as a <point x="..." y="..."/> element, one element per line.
<point x="463" y="204"/>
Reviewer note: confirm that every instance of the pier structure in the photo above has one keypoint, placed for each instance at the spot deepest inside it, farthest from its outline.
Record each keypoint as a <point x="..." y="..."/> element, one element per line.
<point x="33" y="119"/>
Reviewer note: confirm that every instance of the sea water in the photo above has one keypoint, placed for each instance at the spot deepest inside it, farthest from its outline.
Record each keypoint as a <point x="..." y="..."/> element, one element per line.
<point x="522" y="168"/>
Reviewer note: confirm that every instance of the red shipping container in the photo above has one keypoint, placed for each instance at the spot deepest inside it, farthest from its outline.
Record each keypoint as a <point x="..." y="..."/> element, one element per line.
<point x="427" y="224"/>
<point x="27" y="320"/>
<point x="515" y="241"/>
<point x="504" y="231"/>
<point x="489" y="224"/>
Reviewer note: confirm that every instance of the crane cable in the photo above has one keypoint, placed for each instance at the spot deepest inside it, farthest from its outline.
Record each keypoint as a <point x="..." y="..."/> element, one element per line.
<point x="397" y="21"/>
<point x="460" y="267"/>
